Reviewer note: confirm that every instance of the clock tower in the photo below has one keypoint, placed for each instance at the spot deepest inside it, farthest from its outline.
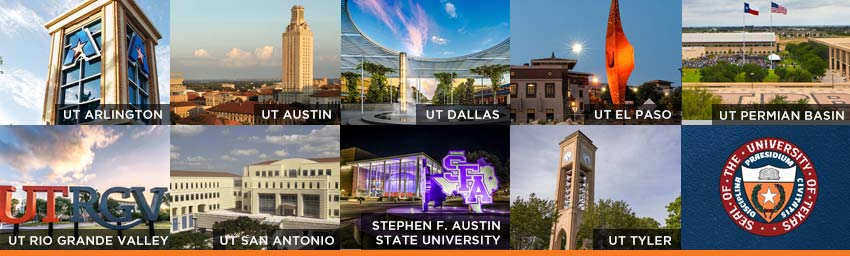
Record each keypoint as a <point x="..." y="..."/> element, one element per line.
<point x="574" y="191"/>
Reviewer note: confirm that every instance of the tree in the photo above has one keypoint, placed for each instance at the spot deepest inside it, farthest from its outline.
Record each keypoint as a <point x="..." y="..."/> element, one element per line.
<point x="697" y="104"/>
<point x="189" y="240"/>
<point x="531" y="223"/>
<point x="647" y="91"/>
<point x="352" y="80"/>
<point x="720" y="72"/>
<point x="502" y="170"/>
<point x="494" y="72"/>
<point x="464" y="92"/>
<point x="674" y="98"/>
<point x="377" y="92"/>
<point x="674" y="214"/>
<point x="243" y="226"/>
<point x="753" y="73"/>
<point x="610" y="214"/>
<point x="63" y="206"/>
<point x="40" y="209"/>
<point x="444" y="85"/>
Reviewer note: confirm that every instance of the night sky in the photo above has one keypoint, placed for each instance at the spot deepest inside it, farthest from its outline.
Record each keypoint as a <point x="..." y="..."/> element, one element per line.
<point x="435" y="141"/>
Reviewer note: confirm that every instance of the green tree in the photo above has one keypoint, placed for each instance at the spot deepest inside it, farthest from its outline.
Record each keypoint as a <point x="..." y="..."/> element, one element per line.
<point x="444" y="85"/>
<point x="697" y="104"/>
<point x="352" y="81"/>
<point x="781" y="72"/>
<point x="63" y="206"/>
<point x="647" y="91"/>
<point x="189" y="240"/>
<point x="674" y="99"/>
<point x="753" y="73"/>
<point x="40" y="209"/>
<point x="243" y="226"/>
<point x="377" y="92"/>
<point x="720" y="72"/>
<point x="494" y="72"/>
<point x="464" y="92"/>
<point x="15" y="203"/>
<point x="674" y="214"/>
<point x="531" y="223"/>
<point x="610" y="214"/>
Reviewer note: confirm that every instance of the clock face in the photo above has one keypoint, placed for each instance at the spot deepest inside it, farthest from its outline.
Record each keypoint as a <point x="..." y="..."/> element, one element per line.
<point x="568" y="156"/>
<point x="586" y="158"/>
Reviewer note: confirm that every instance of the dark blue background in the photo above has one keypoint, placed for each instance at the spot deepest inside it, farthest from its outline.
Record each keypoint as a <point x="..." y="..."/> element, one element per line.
<point x="705" y="224"/>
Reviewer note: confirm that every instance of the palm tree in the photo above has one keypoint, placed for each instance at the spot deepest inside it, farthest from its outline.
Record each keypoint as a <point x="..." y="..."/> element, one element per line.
<point x="494" y="72"/>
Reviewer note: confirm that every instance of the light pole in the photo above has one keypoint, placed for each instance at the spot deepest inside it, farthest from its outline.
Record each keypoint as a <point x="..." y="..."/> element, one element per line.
<point x="752" y="82"/>
<point x="451" y="90"/>
<point x="362" y="84"/>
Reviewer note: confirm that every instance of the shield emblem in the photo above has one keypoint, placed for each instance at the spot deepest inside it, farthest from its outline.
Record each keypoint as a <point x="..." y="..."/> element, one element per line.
<point x="769" y="189"/>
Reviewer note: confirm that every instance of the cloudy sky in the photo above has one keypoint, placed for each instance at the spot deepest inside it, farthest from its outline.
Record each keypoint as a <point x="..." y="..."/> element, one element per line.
<point x="25" y="46"/>
<point x="696" y="13"/>
<point x="224" y="148"/>
<point x="540" y="27"/>
<point x="225" y="39"/>
<point x="636" y="164"/>
<point x="436" y="28"/>
<point x="97" y="156"/>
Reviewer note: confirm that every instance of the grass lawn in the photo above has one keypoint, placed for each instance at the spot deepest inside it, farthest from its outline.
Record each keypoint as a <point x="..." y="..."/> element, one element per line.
<point x="771" y="77"/>
<point x="690" y="75"/>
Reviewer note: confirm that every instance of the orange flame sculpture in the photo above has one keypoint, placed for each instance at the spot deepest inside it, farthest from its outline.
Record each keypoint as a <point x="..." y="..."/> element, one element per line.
<point x="619" y="56"/>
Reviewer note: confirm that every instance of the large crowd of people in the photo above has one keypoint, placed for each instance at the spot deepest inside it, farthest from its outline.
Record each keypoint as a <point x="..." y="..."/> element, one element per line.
<point x="711" y="60"/>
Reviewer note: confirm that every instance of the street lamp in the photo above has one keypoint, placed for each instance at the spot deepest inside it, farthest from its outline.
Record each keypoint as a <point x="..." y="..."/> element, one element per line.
<point x="752" y="82"/>
<point x="362" y="97"/>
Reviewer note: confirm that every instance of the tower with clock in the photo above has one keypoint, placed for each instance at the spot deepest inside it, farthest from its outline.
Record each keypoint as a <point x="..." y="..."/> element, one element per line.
<point x="574" y="191"/>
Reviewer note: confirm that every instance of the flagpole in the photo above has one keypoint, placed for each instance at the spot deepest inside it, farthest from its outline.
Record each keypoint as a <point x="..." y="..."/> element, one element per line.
<point x="744" y="42"/>
<point x="773" y="43"/>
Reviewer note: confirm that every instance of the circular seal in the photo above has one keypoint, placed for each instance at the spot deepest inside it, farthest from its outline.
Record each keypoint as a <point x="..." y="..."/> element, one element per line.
<point x="768" y="186"/>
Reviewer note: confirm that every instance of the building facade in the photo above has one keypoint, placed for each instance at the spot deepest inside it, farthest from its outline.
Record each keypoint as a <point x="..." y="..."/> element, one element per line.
<point x="297" y="50"/>
<point x="548" y="89"/>
<point x="401" y="176"/>
<point x="292" y="187"/>
<point x="101" y="53"/>
<point x="300" y="192"/>
<point x="574" y="191"/>
<point x="757" y="43"/>
<point x="199" y="192"/>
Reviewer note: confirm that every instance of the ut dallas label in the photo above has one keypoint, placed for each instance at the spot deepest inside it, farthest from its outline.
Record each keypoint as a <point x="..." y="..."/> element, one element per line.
<point x="769" y="186"/>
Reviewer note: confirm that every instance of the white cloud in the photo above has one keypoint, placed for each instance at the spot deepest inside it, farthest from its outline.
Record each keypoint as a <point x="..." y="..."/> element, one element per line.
<point x="27" y="90"/>
<point x="225" y="131"/>
<point x="147" y="130"/>
<point x="239" y="58"/>
<point x="244" y="152"/>
<point x="264" y="156"/>
<point x="228" y="158"/>
<point x="450" y="10"/>
<point x="281" y="153"/>
<point x="274" y="128"/>
<point x="201" y="53"/>
<point x="186" y="130"/>
<point x="264" y="53"/>
<point x="66" y="153"/>
<point x="196" y="159"/>
<point x="439" y="40"/>
<point x="319" y="142"/>
<point x="17" y="18"/>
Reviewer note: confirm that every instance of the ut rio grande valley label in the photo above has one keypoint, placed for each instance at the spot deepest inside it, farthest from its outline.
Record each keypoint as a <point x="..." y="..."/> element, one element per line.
<point x="768" y="187"/>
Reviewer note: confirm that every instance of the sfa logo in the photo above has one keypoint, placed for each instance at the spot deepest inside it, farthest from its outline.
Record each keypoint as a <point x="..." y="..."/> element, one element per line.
<point x="475" y="182"/>
<point x="150" y="212"/>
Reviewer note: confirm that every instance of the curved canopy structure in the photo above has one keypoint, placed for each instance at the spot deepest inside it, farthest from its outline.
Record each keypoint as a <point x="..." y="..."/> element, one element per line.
<point x="357" y="47"/>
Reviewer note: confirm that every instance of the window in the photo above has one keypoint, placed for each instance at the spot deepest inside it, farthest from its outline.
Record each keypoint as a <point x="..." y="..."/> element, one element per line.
<point x="321" y="172"/>
<point x="529" y="115"/>
<point x="312" y="173"/>
<point x="311" y="205"/>
<point x="550" y="90"/>
<point x="328" y="171"/>
<point x="81" y="72"/>
<point x="257" y="174"/>
<point x="138" y="72"/>
<point x="513" y="90"/>
<point x="580" y="94"/>
<point x="550" y="115"/>
<point x="530" y="90"/>
<point x="293" y="173"/>
<point x="277" y="173"/>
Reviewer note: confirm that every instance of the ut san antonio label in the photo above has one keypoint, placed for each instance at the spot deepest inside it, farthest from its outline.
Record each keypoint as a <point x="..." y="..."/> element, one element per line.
<point x="768" y="186"/>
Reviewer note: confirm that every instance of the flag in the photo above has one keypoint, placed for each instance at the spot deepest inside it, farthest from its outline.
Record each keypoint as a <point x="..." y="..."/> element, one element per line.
<point x="776" y="8"/>
<point x="750" y="11"/>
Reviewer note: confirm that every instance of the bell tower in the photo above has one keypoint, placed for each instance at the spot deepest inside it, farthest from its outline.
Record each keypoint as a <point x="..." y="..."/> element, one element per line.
<point x="574" y="191"/>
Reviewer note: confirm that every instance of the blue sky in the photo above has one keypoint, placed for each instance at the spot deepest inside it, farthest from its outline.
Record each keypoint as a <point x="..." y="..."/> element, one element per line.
<point x="434" y="28"/>
<point x="539" y="27"/>
<point x="242" y="39"/>
<point x="25" y="46"/>
<point x="95" y="156"/>
<point x="637" y="164"/>
<point x="226" y="148"/>
<point x="702" y="13"/>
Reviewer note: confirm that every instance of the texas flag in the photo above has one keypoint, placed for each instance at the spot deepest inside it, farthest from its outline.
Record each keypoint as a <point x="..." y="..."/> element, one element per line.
<point x="750" y="11"/>
<point x="776" y="8"/>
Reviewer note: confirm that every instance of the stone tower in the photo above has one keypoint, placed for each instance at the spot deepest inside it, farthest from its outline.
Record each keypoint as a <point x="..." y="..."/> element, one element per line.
<point x="297" y="52"/>
<point x="574" y="191"/>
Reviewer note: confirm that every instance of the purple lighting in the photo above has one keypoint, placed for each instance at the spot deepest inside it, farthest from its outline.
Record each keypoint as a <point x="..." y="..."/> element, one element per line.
<point x="475" y="182"/>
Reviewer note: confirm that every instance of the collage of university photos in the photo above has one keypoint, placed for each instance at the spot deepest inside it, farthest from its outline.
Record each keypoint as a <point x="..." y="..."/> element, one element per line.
<point x="415" y="127"/>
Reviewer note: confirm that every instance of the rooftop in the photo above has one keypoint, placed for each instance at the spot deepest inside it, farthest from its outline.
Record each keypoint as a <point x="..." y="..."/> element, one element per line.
<point x="182" y="173"/>
<point x="728" y="37"/>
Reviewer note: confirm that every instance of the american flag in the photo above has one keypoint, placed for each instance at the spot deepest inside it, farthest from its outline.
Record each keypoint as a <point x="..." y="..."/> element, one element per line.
<point x="776" y="8"/>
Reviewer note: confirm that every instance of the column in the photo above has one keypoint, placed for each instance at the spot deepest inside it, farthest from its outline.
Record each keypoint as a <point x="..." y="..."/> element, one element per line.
<point x="278" y="209"/>
<point x="300" y="206"/>
<point x="829" y="59"/>
<point x="846" y="64"/>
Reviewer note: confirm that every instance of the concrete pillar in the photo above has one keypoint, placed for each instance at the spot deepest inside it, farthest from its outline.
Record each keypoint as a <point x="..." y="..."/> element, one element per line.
<point x="277" y="204"/>
<point x="830" y="59"/>
<point x="846" y="64"/>
<point x="300" y="206"/>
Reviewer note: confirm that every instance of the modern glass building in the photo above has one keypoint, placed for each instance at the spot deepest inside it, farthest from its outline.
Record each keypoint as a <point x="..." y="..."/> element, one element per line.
<point x="401" y="176"/>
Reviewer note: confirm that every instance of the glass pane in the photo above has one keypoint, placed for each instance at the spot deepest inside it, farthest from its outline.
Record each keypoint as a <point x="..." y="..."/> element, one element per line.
<point x="71" y="95"/>
<point x="94" y="27"/>
<point x="131" y="69"/>
<point x="72" y="74"/>
<point x="92" y="67"/>
<point x="65" y="121"/>
<point x="91" y="90"/>
<point x="99" y="40"/>
<point x="143" y="83"/>
<point x="132" y="95"/>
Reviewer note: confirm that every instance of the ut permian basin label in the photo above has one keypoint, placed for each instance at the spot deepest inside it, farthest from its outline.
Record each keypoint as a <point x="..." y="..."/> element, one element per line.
<point x="769" y="187"/>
